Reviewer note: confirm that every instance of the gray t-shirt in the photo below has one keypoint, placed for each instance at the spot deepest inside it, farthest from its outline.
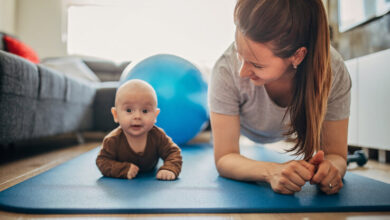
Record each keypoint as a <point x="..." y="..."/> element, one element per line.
<point x="261" y="119"/>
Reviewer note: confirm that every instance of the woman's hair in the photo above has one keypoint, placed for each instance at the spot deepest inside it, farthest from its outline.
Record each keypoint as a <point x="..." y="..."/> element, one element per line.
<point x="289" y="25"/>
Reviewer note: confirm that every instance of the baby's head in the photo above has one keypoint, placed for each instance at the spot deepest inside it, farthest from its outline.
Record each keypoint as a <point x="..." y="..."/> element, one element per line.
<point x="135" y="107"/>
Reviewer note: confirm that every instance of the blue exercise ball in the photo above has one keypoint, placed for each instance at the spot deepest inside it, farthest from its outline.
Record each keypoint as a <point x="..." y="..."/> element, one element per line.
<point x="181" y="93"/>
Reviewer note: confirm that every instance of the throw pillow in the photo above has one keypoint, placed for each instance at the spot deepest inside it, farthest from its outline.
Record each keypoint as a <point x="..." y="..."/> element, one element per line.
<point x="17" y="47"/>
<point x="71" y="66"/>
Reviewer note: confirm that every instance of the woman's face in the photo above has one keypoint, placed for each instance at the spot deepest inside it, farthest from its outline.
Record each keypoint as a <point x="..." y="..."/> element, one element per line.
<point x="259" y="64"/>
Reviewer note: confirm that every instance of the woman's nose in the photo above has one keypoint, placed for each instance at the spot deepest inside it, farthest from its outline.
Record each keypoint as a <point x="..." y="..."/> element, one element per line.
<point x="244" y="70"/>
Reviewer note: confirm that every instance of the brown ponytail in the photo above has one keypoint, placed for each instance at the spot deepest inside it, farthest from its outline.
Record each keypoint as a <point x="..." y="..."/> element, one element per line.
<point x="289" y="25"/>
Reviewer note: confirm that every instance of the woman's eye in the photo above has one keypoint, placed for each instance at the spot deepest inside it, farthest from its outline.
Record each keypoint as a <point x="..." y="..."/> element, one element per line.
<point x="128" y="110"/>
<point x="145" y="111"/>
<point x="257" y="66"/>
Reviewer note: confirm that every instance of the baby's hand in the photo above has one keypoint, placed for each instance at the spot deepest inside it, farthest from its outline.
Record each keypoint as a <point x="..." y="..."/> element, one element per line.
<point x="133" y="171"/>
<point x="165" y="175"/>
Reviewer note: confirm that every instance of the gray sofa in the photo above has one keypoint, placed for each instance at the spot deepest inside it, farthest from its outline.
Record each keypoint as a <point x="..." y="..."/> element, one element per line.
<point x="37" y="101"/>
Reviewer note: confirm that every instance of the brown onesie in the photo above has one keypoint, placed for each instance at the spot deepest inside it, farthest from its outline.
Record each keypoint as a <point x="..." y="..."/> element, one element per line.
<point x="116" y="155"/>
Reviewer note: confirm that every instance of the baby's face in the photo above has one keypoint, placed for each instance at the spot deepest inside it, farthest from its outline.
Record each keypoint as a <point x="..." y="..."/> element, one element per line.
<point x="137" y="111"/>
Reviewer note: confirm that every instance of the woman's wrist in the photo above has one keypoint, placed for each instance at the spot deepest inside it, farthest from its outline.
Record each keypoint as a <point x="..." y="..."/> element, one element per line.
<point x="270" y="170"/>
<point x="339" y="162"/>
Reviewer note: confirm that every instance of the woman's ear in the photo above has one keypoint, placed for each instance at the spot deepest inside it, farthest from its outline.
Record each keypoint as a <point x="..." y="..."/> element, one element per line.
<point x="298" y="56"/>
<point x="114" y="114"/>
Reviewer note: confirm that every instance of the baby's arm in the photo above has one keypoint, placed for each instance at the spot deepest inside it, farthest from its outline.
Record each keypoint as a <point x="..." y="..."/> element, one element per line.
<point x="133" y="171"/>
<point x="107" y="164"/>
<point x="165" y="175"/>
<point x="171" y="154"/>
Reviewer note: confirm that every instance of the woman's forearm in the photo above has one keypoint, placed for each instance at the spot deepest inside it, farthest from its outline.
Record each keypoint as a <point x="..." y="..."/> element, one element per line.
<point x="238" y="167"/>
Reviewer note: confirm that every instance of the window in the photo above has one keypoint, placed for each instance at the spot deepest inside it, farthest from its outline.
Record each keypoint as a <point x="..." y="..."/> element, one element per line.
<point x="356" y="12"/>
<point x="197" y="30"/>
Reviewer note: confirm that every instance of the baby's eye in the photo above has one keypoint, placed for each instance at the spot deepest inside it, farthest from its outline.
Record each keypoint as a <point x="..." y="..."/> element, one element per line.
<point x="145" y="111"/>
<point x="128" y="110"/>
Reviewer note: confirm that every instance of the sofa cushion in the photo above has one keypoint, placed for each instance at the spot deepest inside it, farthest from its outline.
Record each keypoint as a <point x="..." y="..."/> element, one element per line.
<point x="19" y="83"/>
<point x="72" y="67"/>
<point x="37" y="102"/>
<point x="18" y="76"/>
<point x="65" y="104"/>
<point x="53" y="84"/>
<point x="17" y="116"/>
<point x="19" y="48"/>
<point x="79" y="91"/>
<point x="106" y="70"/>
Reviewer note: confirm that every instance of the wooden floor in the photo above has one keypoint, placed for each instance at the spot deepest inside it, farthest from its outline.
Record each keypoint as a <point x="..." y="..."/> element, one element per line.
<point x="26" y="166"/>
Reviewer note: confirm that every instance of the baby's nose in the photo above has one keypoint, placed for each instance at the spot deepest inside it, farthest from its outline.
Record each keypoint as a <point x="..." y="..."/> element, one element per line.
<point x="137" y="114"/>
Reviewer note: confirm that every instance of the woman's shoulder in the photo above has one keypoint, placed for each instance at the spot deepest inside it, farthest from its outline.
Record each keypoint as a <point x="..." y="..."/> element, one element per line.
<point x="335" y="58"/>
<point x="228" y="60"/>
<point x="339" y="70"/>
<point x="340" y="92"/>
<point x="226" y="70"/>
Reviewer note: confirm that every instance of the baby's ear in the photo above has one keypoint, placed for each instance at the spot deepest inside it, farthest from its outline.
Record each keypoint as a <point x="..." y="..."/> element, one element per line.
<point x="114" y="114"/>
<point x="156" y="114"/>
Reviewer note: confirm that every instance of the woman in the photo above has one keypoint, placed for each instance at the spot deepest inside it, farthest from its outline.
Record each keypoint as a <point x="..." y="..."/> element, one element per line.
<point x="282" y="80"/>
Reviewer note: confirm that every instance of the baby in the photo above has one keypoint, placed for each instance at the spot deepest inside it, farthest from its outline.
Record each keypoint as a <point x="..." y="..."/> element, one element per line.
<point x="137" y="144"/>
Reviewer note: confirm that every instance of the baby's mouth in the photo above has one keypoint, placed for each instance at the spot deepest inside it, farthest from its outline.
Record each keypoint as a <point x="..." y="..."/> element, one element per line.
<point x="136" y="126"/>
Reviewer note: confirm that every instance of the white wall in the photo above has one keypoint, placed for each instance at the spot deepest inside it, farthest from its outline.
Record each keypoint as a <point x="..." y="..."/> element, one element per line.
<point x="38" y="24"/>
<point x="7" y="16"/>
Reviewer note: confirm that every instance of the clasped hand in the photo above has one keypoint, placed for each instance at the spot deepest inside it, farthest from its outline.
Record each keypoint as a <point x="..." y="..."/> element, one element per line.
<point x="289" y="177"/>
<point x="161" y="174"/>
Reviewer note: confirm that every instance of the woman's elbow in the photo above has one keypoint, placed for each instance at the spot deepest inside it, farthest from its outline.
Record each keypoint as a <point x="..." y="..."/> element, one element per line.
<point x="221" y="164"/>
<point x="218" y="165"/>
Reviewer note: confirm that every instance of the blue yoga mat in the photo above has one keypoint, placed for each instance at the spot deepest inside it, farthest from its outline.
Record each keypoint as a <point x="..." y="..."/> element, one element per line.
<point x="78" y="187"/>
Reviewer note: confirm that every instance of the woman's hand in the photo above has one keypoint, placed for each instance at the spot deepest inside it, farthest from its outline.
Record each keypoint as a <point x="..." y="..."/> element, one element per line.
<point x="289" y="177"/>
<point x="327" y="176"/>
